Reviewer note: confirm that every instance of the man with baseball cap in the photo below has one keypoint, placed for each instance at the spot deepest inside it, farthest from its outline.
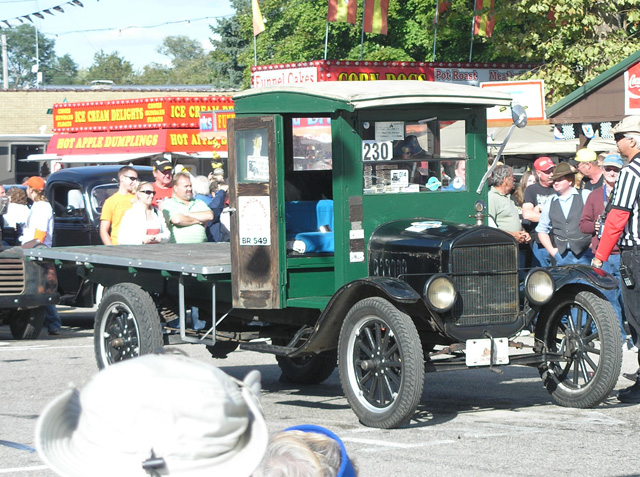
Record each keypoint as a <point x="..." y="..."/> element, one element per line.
<point x="622" y="227"/>
<point x="535" y="197"/>
<point x="559" y="230"/>
<point x="163" y="173"/>
<point x="587" y="163"/>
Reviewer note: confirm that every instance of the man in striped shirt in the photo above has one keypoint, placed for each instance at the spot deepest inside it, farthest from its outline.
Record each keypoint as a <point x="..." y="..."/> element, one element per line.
<point x="623" y="227"/>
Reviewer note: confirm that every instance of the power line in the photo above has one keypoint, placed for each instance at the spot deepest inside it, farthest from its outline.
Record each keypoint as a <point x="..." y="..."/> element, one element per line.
<point x="131" y="27"/>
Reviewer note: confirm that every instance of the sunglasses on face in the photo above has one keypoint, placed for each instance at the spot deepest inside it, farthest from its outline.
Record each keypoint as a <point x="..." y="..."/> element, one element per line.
<point x="548" y="172"/>
<point x="619" y="137"/>
<point x="148" y="192"/>
<point x="132" y="178"/>
<point x="611" y="169"/>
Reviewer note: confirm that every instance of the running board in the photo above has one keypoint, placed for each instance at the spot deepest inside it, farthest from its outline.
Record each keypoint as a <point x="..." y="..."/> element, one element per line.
<point x="267" y="348"/>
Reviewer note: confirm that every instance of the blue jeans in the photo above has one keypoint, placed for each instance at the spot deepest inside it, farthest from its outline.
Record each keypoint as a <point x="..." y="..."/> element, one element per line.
<point x="51" y="319"/>
<point x="541" y="257"/>
<point x="612" y="266"/>
<point x="570" y="258"/>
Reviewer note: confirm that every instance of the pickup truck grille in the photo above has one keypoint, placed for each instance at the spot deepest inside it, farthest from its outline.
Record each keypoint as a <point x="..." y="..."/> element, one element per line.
<point x="487" y="278"/>
<point x="11" y="276"/>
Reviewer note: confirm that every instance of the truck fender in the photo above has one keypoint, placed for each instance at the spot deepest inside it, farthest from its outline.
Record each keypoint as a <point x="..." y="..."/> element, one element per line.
<point x="584" y="274"/>
<point x="327" y="329"/>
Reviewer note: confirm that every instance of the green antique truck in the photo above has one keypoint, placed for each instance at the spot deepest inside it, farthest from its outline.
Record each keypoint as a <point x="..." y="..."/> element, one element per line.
<point x="357" y="241"/>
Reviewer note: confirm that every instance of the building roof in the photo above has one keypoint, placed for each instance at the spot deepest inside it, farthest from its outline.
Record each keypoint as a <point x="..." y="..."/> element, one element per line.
<point x="593" y="85"/>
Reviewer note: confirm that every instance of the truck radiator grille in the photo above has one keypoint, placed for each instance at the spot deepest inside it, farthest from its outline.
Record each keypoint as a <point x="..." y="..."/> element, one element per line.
<point x="11" y="276"/>
<point x="487" y="279"/>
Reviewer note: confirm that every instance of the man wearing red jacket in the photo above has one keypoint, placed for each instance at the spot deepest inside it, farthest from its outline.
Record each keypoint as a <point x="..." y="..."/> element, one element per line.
<point x="623" y="227"/>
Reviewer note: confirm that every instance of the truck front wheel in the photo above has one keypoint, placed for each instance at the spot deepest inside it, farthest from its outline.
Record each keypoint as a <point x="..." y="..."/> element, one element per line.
<point x="26" y="324"/>
<point x="127" y="325"/>
<point x="381" y="363"/>
<point x="581" y="328"/>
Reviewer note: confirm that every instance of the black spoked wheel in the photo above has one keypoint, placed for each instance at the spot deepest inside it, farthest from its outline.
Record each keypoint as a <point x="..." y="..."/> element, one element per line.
<point x="26" y="324"/>
<point x="127" y="325"/>
<point x="381" y="363"/>
<point x="312" y="369"/>
<point x="582" y="330"/>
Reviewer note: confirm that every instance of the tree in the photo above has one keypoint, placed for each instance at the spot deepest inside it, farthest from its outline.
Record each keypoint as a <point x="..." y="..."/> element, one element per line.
<point x="63" y="71"/>
<point x="572" y="40"/>
<point x="21" y="53"/>
<point x="226" y="61"/>
<point x="111" y="67"/>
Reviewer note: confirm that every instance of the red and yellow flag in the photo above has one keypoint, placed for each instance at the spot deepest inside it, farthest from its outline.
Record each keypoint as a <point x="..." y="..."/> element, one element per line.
<point x="375" y="16"/>
<point x="483" y="24"/>
<point x="443" y="6"/>
<point x="343" y="11"/>
<point x="258" y="22"/>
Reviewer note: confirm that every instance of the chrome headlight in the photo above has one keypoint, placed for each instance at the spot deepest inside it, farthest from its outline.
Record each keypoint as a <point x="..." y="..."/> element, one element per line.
<point x="539" y="286"/>
<point x="440" y="293"/>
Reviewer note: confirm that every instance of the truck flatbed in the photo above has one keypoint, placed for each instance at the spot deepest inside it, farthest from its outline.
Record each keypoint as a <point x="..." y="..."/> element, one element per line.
<point x="202" y="258"/>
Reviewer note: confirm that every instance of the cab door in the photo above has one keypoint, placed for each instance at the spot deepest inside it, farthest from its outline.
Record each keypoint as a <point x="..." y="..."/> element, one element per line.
<point x="255" y="254"/>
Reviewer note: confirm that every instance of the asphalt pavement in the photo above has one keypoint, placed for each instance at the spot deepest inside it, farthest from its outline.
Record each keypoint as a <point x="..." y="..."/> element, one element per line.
<point x="472" y="422"/>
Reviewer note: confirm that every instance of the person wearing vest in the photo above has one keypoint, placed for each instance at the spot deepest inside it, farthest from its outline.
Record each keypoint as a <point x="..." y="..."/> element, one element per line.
<point x="560" y="217"/>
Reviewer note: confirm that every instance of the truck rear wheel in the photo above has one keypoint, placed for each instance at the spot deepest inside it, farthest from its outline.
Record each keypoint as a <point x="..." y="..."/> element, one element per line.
<point x="127" y="325"/>
<point x="26" y="324"/>
<point x="583" y="328"/>
<point x="312" y="369"/>
<point x="381" y="363"/>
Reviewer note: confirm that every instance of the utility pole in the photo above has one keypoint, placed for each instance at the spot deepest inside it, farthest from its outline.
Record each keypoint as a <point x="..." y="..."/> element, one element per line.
<point x="5" y="67"/>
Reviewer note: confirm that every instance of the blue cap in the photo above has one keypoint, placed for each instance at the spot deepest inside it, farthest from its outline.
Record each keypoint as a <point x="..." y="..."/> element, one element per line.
<point x="613" y="160"/>
<point x="346" y="467"/>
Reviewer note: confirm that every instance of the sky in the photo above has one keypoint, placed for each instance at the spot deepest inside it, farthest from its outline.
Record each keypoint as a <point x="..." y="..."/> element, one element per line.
<point x="121" y="23"/>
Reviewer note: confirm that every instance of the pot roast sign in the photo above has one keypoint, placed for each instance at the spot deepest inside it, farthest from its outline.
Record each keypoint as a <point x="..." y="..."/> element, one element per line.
<point x="632" y="90"/>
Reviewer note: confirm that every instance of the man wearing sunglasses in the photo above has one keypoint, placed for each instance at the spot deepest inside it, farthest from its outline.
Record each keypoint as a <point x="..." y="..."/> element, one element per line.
<point x="115" y="206"/>
<point x="622" y="227"/>
<point x="535" y="197"/>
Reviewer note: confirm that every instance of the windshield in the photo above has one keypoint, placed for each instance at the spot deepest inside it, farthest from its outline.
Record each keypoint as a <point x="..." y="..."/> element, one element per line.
<point x="413" y="156"/>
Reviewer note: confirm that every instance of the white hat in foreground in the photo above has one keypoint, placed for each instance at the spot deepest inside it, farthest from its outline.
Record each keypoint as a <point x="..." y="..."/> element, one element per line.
<point x="155" y="415"/>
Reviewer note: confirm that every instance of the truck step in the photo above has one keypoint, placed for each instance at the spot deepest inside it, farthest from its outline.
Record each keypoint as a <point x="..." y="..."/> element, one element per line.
<point x="267" y="348"/>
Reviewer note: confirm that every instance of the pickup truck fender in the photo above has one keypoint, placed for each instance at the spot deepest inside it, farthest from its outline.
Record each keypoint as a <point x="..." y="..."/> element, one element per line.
<point x="598" y="278"/>
<point x="327" y="329"/>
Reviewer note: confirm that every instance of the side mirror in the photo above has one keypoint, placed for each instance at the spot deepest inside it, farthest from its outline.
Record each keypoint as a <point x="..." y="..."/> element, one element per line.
<point x="519" y="116"/>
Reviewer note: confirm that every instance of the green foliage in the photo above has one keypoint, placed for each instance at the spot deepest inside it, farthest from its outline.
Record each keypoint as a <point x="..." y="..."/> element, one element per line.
<point x="189" y="64"/>
<point x="112" y="67"/>
<point x="63" y="71"/>
<point x="21" y="53"/>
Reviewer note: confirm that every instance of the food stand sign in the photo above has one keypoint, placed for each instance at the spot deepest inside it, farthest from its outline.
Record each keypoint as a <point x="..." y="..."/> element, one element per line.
<point x="156" y="140"/>
<point x="322" y="70"/>
<point x="144" y="113"/>
<point x="529" y="94"/>
<point x="632" y="90"/>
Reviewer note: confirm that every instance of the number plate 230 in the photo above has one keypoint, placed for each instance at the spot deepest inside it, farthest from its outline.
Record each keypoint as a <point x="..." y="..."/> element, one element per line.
<point x="377" y="150"/>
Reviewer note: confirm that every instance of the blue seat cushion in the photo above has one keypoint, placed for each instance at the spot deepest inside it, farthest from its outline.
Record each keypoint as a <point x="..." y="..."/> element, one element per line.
<point x="304" y="218"/>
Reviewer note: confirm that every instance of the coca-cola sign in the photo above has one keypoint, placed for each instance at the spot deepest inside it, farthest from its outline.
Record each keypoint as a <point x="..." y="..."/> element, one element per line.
<point x="632" y="90"/>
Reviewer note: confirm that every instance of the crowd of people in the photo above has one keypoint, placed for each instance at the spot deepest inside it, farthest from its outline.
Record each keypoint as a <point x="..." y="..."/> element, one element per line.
<point x="175" y="208"/>
<point x="582" y="211"/>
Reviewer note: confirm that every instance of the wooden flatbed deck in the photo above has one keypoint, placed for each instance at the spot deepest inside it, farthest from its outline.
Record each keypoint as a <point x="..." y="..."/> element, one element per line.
<point x="203" y="258"/>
